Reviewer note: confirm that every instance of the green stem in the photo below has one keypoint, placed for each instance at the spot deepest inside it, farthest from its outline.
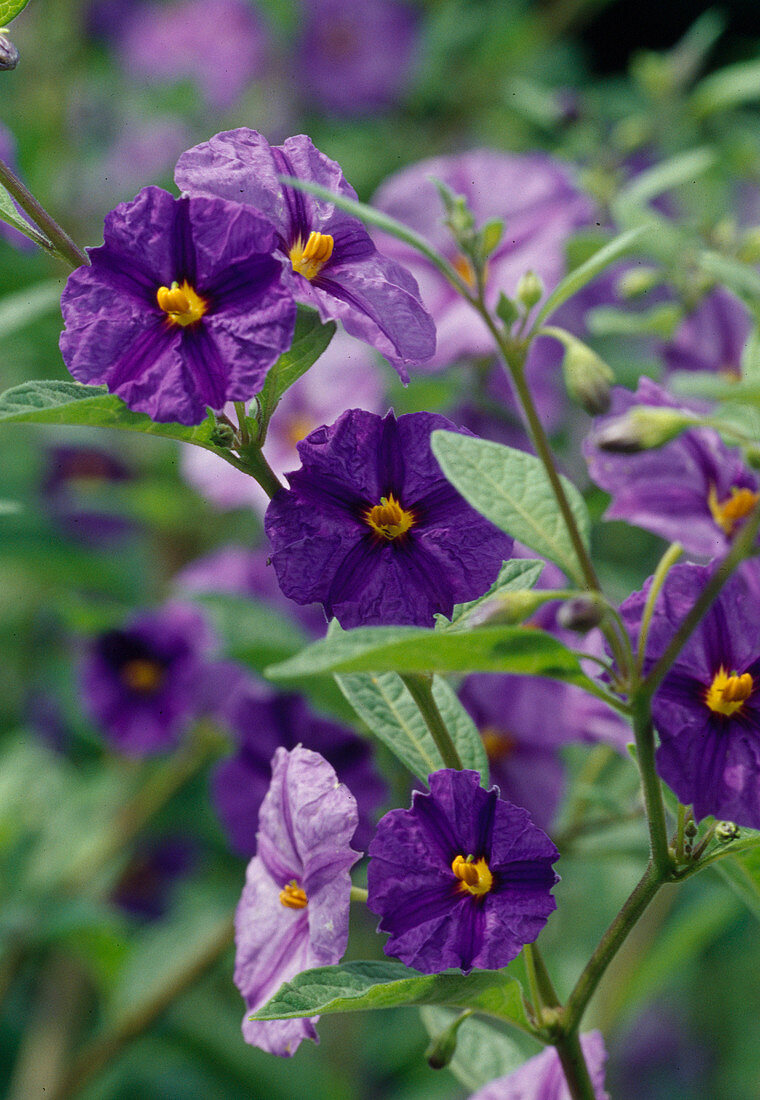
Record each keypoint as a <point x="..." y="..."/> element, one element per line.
<point x="610" y="943"/>
<point x="420" y="687"/>
<point x="570" y="1053"/>
<point x="252" y="462"/>
<point x="680" y="833"/>
<point x="667" y="561"/>
<point x="359" y="894"/>
<point x="643" y="732"/>
<point x="545" y="985"/>
<point x="242" y="413"/>
<point x="537" y="1000"/>
<point x="62" y="243"/>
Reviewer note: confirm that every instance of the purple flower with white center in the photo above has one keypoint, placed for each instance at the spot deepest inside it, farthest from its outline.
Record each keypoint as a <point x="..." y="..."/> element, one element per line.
<point x="356" y="59"/>
<point x="318" y="397"/>
<point x="372" y="529"/>
<point x="293" y="914"/>
<point x="145" y="684"/>
<point x="707" y="709"/>
<point x="694" y="490"/>
<point x="542" y="1077"/>
<point x="461" y="879"/>
<point x="535" y="195"/>
<point x="712" y="337"/>
<point x="522" y="744"/>
<point x="262" y="720"/>
<point x="329" y="259"/>
<point x="182" y="309"/>
<point x="219" y="45"/>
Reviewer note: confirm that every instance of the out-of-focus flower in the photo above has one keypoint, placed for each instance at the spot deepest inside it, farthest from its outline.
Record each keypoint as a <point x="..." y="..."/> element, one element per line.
<point x="461" y="879"/>
<point x="537" y="198"/>
<point x="694" y="490"/>
<point x="72" y="473"/>
<point x="218" y="45"/>
<point x="293" y="914"/>
<point x="262" y="721"/>
<point x="144" y="889"/>
<point x="328" y="256"/>
<point x="346" y="371"/>
<point x="183" y="307"/>
<point x="146" y="683"/>
<point x="711" y="338"/>
<point x="542" y="1078"/>
<point x="356" y="59"/>
<point x="658" y="1057"/>
<point x="707" y="709"/>
<point x="371" y="528"/>
<point x="8" y="155"/>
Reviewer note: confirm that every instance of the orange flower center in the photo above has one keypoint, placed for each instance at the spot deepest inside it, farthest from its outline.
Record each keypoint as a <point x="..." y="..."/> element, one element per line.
<point x="388" y="519"/>
<point x="142" y="675"/>
<point x="498" y="744"/>
<point x="309" y="259"/>
<point x="727" y="694"/>
<point x="181" y="304"/>
<point x="474" y="875"/>
<point x="293" y="896"/>
<point x="728" y="513"/>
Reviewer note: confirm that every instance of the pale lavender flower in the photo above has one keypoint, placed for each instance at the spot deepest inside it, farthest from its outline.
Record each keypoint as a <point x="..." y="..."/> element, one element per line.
<point x="542" y="1078"/>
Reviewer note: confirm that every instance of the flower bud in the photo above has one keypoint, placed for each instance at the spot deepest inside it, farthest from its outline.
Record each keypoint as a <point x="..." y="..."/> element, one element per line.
<point x="530" y="289"/>
<point x="8" y="53"/>
<point x="442" y="1049"/>
<point x="641" y="429"/>
<point x="726" y="831"/>
<point x="510" y="608"/>
<point x="582" y="613"/>
<point x="749" y="247"/>
<point x="587" y="377"/>
<point x="506" y="310"/>
<point x="638" y="281"/>
<point x="222" y="435"/>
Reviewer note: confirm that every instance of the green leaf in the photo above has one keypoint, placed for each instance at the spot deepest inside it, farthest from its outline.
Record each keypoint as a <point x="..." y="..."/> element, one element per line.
<point x="743" y="279"/>
<point x="483" y="1052"/>
<point x="742" y="873"/>
<point x="310" y="340"/>
<point x="679" y="170"/>
<point x="716" y="387"/>
<point x="511" y="488"/>
<point x="9" y="507"/>
<point x="358" y="986"/>
<point x="729" y="87"/>
<point x="494" y="648"/>
<point x="386" y="706"/>
<point x="515" y="575"/>
<point x="582" y="275"/>
<point x="660" y="321"/>
<point x="9" y="9"/>
<point x="9" y="214"/>
<point x="25" y="306"/>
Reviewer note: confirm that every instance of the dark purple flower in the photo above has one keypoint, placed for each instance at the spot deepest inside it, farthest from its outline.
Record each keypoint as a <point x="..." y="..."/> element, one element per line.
<point x="182" y="309"/>
<point x="542" y="1077"/>
<point x="534" y="194"/>
<point x="371" y="528"/>
<point x="73" y="473"/>
<point x="659" y="1057"/>
<point x="712" y="338"/>
<point x="293" y="914"/>
<point x="355" y="59"/>
<point x="263" y="720"/>
<point x="147" y="682"/>
<point x="328" y="256"/>
<point x="461" y="879"/>
<point x="694" y="490"/>
<point x="144" y="889"/>
<point x="707" y="709"/>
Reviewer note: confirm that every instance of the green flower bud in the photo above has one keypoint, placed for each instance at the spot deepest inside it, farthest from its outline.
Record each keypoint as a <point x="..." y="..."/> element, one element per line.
<point x="530" y="289"/>
<point x="489" y="237"/>
<point x="442" y="1049"/>
<point x="582" y="613"/>
<point x="8" y="52"/>
<point x="638" y="281"/>
<point x="506" y="310"/>
<point x="749" y="246"/>
<point x="223" y="435"/>
<point x="642" y="429"/>
<point x="587" y="377"/>
<point x="726" y="831"/>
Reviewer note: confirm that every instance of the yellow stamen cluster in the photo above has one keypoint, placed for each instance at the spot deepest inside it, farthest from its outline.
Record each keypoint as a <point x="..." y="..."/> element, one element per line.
<point x="474" y="875"/>
<point x="309" y="259"/>
<point x="142" y="675"/>
<point x="728" y="513"/>
<point x="181" y="304"/>
<point x="727" y="694"/>
<point x="293" y="896"/>
<point x="498" y="744"/>
<point x="388" y="519"/>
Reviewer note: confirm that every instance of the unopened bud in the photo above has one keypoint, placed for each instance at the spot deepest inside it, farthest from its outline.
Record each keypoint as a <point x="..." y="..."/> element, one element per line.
<point x="489" y="237"/>
<point x="638" y="281"/>
<point x="510" y="608"/>
<point x="8" y="53"/>
<point x="530" y="289"/>
<point x="726" y="831"/>
<point x="587" y="377"/>
<point x="222" y="435"/>
<point x="442" y="1049"/>
<point x="690" y="829"/>
<point x="582" y="613"/>
<point x="506" y="310"/>
<point x="641" y="429"/>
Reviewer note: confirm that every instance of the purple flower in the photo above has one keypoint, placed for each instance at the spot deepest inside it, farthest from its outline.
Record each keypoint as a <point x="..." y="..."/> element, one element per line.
<point x="707" y="709"/>
<point x="144" y="889"/>
<point x="371" y="528"/>
<point x="694" y="490"/>
<point x="542" y="1078"/>
<point x="73" y="472"/>
<point x="356" y="59"/>
<point x="461" y="879"/>
<point x="182" y="308"/>
<point x="712" y="338"/>
<point x="328" y="256"/>
<point x="293" y="914"/>
<point x="534" y="194"/>
<point x="220" y="45"/>
<point x="147" y="682"/>
<point x="263" y="720"/>
<point x="318" y="397"/>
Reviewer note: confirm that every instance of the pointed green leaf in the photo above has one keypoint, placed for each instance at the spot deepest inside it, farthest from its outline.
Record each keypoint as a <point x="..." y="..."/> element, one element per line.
<point x="9" y="9"/>
<point x="310" y="340"/>
<point x="728" y="87"/>
<point x="511" y="488"/>
<point x="358" y="986"/>
<point x="383" y="702"/>
<point x="25" y="306"/>
<point x="10" y="215"/>
<point x="515" y="575"/>
<point x="483" y="1051"/>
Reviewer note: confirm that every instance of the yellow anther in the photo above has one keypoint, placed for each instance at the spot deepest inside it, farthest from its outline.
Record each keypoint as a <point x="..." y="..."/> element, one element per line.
<point x="497" y="743"/>
<point x="474" y="875"/>
<point x="727" y="694"/>
<point x="181" y="304"/>
<point x="728" y="513"/>
<point x="293" y="896"/>
<point x="309" y="259"/>
<point x="388" y="519"/>
<point x="142" y="675"/>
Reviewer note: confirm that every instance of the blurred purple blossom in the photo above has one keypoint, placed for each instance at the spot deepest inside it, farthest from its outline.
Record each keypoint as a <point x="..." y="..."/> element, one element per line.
<point x="542" y="1078"/>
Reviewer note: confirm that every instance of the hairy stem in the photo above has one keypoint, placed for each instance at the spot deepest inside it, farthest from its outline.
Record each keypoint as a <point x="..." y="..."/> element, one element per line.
<point x="57" y="237"/>
<point x="658" y="834"/>
<point x="420" y="687"/>
<point x="573" y="1060"/>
